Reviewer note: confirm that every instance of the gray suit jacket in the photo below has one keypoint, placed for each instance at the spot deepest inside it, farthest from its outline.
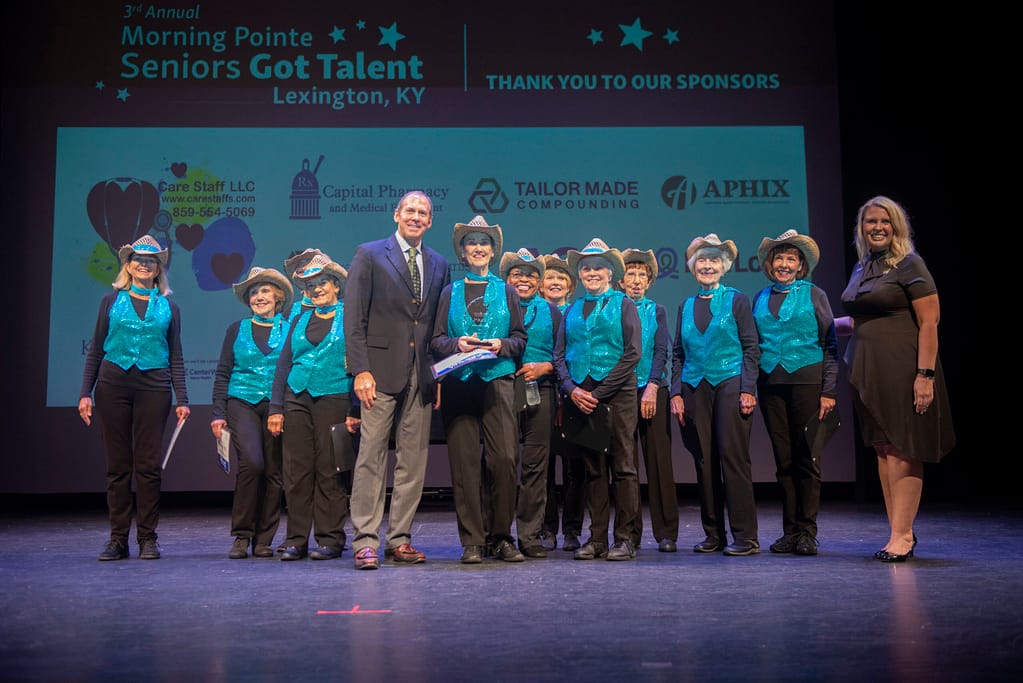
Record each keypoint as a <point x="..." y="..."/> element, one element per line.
<point x="384" y="323"/>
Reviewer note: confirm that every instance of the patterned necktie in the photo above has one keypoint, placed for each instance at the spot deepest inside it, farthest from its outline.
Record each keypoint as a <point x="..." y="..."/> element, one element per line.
<point x="413" y="269"/>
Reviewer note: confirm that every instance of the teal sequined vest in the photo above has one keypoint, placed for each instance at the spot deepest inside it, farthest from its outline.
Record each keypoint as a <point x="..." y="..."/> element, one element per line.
<point x="252" y="376"/>
<point x="319" y="369"/>
<point x="496" y="323"/>
<point x="594" y="345"/>
<point x="716" y="354"/>
<point x="647" y="310"/>
<point x="138" y="341"/>
<point x="536" y="317"/>
<point x="792" y="339"/>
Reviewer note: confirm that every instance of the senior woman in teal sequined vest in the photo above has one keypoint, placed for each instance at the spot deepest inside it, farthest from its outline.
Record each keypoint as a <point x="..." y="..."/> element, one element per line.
<point x="134" y="360"/>
<point x="715" y="362"/>
<point x="524" y="272"/>
<point x="311" y="392"/>
<point x="798" y="378"/>
<point x="481" y="312"/>
<point x="241" y="404"/>
<point x="598" y="348"/>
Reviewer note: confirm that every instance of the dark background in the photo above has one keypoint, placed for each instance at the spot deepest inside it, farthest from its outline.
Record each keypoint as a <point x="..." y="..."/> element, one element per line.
<point x="897" y="139"/>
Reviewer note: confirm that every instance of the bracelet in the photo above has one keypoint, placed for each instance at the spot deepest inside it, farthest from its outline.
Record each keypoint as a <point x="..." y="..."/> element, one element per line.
<point x="925" y="372"/>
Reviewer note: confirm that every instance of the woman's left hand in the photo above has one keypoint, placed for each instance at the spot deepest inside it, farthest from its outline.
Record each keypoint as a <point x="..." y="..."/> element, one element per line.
<point x="923" y="394"/>
<point x="352" y="424"/>
<point x="747" y="402"/>
<point x="183" y="413"/>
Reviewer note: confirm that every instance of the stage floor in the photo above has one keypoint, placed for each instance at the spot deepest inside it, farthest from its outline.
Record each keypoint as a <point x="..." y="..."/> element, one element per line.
<point x="953" y="613"/>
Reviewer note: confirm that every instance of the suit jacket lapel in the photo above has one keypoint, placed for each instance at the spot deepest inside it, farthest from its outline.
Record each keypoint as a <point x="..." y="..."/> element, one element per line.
<point x="397" y="259"/>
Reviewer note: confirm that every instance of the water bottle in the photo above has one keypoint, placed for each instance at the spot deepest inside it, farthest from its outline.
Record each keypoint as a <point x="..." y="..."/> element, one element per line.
<point x="532" y="393"/>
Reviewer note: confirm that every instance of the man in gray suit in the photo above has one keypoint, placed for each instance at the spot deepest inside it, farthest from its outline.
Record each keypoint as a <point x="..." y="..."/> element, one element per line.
<point x="390" y="305"/>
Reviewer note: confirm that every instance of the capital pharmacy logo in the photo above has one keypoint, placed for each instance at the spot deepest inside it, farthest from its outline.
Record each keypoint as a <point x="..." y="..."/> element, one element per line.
<point x="488" y="197"/>
<point x="305" y="193"/>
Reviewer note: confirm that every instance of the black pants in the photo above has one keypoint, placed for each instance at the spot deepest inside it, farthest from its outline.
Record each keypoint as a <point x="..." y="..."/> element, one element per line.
<point x="256" y="508"/>
<point x="654" y="436"/>
<point x="567" y="510"/>
<point x="472" y="409"/>
<point x="317" y="495"/>
<point x="621" y="461"/>
<point x="718" y="434"/>
<point x="133" y="422"/>
<point x="786" y="409"/>
<point x="535" y="423"/>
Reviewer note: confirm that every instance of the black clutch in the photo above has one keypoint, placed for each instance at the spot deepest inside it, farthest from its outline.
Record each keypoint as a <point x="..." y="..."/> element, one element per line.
<point x="342" y="444"/>
<point x="592" y="431"/>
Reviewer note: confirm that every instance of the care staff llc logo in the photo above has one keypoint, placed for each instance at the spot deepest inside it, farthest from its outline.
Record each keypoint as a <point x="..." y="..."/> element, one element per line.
<point x="305" y="192"/>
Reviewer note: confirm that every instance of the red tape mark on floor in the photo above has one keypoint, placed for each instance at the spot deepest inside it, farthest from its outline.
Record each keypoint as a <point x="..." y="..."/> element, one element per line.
<point x="354" y="610"/>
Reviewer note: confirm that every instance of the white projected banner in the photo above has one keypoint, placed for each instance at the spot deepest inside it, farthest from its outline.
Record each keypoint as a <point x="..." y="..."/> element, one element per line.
<point x="223" y="200"/>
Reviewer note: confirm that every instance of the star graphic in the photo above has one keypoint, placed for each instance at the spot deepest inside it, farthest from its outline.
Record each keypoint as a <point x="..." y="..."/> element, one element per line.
<point x="360" y="24"/>
<point x="338" y="34"/>
<point x="122" y="94"/>
<point x="390" y="36"/>
<point x="100" y="85"/>
<point x="671" y="36"/>
<point x="595" y="36"/>
<point x="634" y="34"/>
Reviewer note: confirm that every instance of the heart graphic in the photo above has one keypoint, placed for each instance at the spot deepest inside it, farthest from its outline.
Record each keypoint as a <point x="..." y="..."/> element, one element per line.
<point x="188" y="236"/>
<point x="179" y="168"/>
<point x="122" y="209"/>
<point x="227" y="267"/>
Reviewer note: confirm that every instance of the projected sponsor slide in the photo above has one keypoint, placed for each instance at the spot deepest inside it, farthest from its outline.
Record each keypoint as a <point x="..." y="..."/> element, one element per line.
<point x="223" y="200"/>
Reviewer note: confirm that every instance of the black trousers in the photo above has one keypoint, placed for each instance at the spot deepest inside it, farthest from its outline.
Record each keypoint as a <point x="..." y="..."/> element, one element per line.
<point x="470" y="410"/>
<point x="133" y="421"/>
<point x="256" y="507"/>
<point x="621" y="462"/>
<point x="564" y="510"/>
<point x="786" y="409"/>
<point x="316" y="494"/>
<point x="718" y="434"/>
<point x="535" y="423"/>
<point x="654" y="436"/>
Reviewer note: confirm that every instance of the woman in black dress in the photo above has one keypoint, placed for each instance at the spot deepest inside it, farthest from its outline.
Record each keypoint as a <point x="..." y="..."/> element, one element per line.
<point x="894" y="370"/>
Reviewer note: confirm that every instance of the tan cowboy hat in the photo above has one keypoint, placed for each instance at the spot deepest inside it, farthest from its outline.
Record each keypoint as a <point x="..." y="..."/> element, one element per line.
<point x="714" y="242"/>
<point x="522" y="258"/>
<point x="555" y="262"/>
<point x="478" y="224"/>
<point x="298" y="261"/>
<point x="597" y="247"/>
<point x="143" y="246"/>
<point x="322" y="265"/>
<point x="269" y="276"/>
<point x="647" y="258"/>
<point x="804" y="243"/>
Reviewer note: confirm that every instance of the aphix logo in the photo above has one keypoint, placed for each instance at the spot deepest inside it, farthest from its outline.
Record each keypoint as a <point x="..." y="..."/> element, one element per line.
<point x="488" y="197"/>
<point x="679" y="192"/>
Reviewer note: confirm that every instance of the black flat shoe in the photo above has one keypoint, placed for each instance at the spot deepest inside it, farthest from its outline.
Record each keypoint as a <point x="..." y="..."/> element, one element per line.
<point x="880" y="554"/>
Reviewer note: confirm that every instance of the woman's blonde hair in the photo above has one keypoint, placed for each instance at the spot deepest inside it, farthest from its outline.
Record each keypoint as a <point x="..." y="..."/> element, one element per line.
<point x="902" y="232"/>
<point x="161" y="282"/>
